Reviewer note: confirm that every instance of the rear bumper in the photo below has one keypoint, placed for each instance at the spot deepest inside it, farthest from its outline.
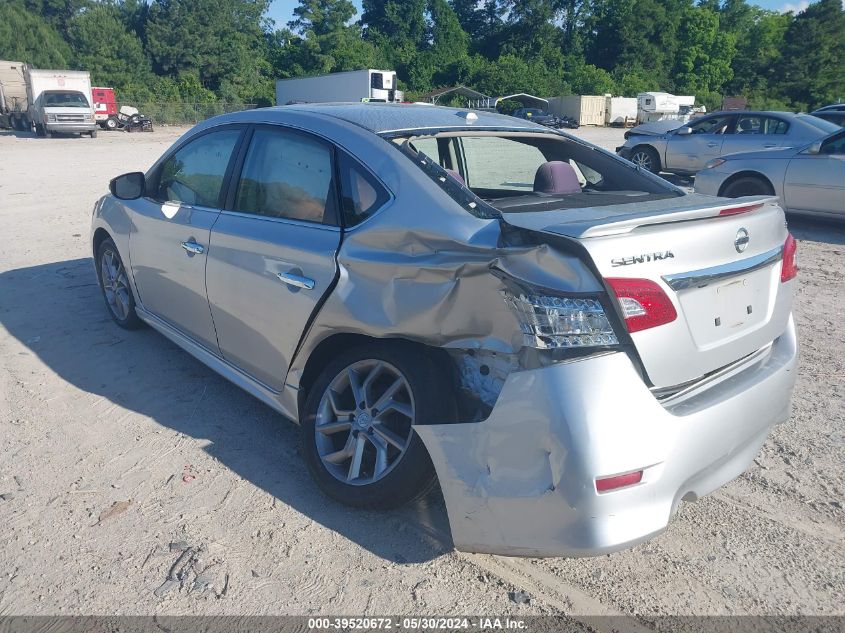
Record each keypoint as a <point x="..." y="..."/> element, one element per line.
<point x="522" y="482"/>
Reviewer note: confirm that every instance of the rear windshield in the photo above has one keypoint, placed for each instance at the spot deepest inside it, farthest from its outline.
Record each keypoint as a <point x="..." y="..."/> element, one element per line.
<point x="824" y="126"/>
<point x="65" y="100"/>
<point x="531" y="172"/>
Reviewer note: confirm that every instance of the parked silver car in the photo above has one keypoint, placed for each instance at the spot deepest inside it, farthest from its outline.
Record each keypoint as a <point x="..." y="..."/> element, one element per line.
<point x="808" y="180"/>
<point x="571" y="345"/>
<point x="662" y="146"/>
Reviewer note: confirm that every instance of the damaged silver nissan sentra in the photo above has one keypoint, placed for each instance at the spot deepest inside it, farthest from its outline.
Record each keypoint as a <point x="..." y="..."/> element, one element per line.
<point x="569" y="344"/>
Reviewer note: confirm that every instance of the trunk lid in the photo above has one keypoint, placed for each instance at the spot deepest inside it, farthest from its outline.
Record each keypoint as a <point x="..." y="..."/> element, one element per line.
<point x="721" y="273"/>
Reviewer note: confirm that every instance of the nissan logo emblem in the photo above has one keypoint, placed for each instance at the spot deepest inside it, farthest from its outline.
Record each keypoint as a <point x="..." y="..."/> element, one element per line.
<point x="741" y="241"/>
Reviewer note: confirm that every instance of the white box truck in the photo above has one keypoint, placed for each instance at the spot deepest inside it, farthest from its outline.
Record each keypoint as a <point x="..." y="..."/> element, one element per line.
<point x="355" y="85"/>
<point x="13" y="100"/>
<point x="60" y="102"/>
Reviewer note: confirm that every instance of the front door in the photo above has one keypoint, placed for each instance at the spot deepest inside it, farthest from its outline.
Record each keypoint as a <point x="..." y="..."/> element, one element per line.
<point x="690" y="152"/>
<point x="273" y="251"/>
<point x="816" y="182"/>
<point x="170" y="241"/>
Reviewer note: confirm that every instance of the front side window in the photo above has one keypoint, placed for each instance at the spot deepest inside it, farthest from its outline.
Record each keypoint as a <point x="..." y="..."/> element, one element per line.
<point x="712" y="125"/>
<point x="286" y="175"/>
<point x="194" y="174"/>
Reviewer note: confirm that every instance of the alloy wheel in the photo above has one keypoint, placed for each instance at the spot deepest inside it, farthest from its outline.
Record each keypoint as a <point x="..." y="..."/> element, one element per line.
<point x="115" y="284"/>
<point x="642" y="160"/>
<point x="364" y="422"/>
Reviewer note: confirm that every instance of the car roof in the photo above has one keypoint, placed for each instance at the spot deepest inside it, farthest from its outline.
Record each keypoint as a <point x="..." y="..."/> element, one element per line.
<point x="835" y="107"/>
<point x="392" y="117"/>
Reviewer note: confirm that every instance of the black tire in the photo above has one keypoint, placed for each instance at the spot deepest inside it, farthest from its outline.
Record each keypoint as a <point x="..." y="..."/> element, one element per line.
<point x="40" y="131"/>
<point x="16" y="123"/>
<point x="130" y="320"/>
<point x="111" y="123"/>
<point x="747" y="186"/>
<point x="93" y="133"/>
<point x="646" y="157"/>
<point x="412" y="474"/>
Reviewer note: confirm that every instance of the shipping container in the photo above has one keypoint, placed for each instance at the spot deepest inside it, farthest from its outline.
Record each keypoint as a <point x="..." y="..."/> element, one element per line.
<point x="355" y="85"/>
<point x="586" y="109"/>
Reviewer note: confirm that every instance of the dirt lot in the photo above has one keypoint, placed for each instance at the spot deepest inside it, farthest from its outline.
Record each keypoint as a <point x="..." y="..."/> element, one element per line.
<point x="118" y="451"/>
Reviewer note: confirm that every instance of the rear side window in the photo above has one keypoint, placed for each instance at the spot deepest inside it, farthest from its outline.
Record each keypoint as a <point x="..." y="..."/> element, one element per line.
<point x="754" y="124"/>
<point x="286" y="175"/>
<point x="363" y="195"/>
<point x="194" y="174"/>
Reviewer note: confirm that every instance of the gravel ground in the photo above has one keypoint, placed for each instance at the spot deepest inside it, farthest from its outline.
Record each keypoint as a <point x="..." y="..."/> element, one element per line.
<point x="134" y="480"/>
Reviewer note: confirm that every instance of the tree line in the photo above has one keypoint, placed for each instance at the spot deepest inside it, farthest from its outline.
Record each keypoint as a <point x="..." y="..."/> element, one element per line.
<point x="208" y="50"/>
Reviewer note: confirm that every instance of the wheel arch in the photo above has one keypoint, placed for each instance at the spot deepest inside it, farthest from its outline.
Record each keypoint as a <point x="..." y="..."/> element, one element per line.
<point x="337" y="343"/>
<point x="653" y="149"/>
<point x="746" y="173"/>
<point x="100" y="235"/>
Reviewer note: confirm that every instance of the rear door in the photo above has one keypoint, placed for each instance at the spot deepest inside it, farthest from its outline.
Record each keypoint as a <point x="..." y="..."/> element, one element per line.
<point x="690" y="152"/>
<point x="816" y="182"/>
<point x="273" y="250"/>
<point x="755" y="132"/>
<point x="169" y="243"/>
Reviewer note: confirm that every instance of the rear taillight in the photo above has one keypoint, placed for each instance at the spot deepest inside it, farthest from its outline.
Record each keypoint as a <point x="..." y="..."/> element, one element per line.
<point x="644" y="304"/>
<point x="789" y="265"/>
<point x="550" y="322"/>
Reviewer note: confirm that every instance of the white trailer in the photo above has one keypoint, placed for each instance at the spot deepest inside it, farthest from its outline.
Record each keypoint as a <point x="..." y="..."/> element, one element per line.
<point x="13" y="100"/>
<point x="620" y="110"/>
<point x="355" y="85"/>
<point x="60" y="102"/>
<point x="656" y="106"/>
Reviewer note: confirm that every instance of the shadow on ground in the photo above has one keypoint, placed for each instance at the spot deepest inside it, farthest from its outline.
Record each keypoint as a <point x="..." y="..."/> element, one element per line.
<point x="57" y="312"/>
<point x="828" y="232"/>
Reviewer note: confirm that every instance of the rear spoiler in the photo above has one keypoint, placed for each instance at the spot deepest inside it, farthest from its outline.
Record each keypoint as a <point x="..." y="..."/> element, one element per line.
<point x="620" y="219"/>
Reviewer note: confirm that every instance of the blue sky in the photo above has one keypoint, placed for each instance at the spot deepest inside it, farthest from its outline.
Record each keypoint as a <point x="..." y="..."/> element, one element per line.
<point x="282" y="10"/>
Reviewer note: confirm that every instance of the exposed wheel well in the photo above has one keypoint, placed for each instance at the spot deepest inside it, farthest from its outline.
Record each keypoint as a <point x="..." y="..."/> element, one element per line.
<point x="336" y="343"/>
<point x="99" y="235"/>
<point x="747" y="174"/>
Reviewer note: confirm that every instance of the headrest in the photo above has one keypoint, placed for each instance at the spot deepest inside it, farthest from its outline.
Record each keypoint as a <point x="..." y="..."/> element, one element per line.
<point x="556" y="177"/>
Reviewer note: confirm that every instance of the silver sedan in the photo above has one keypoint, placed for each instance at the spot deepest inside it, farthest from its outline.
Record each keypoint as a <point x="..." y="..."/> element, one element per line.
<point x="662" y="146"/>
<point x="809" y="179"/>
<point x="570" y="345"/>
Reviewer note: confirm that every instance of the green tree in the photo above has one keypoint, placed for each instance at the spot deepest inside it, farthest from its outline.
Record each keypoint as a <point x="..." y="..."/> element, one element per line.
<point x="26" y="37"/>
<point x="103" y="46"/>
<point x="704" y="53"/>
<point x="219" y="41"/>
<point x="814" y="55"/>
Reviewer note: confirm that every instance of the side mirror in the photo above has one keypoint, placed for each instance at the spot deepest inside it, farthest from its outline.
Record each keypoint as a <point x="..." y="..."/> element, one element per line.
<point x="684" y="131"/>
<point x="815" y="148"/>
<point x="129" y="186"/>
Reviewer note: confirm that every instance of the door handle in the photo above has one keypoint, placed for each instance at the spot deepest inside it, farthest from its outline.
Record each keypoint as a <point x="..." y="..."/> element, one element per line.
<point x="712" y="144"/>
<point x="193" y="248"/>
<point x="769" y="145"/>
<point x="297" y="281"/>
